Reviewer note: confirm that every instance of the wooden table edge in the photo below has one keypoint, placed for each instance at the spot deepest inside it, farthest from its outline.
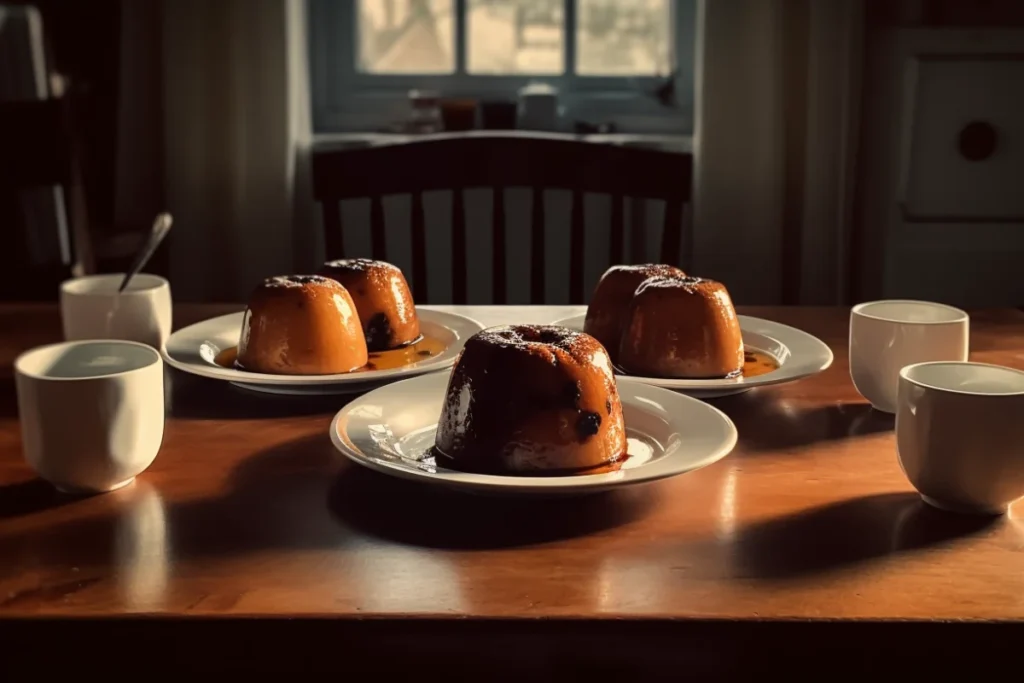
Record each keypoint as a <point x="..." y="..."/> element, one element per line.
<point x="473" y="647"/>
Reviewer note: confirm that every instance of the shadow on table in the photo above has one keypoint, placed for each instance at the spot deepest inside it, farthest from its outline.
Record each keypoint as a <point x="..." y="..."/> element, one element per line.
<point x="8" y="397"/>
<point x="28" y="497"/>
<point x="766" y="423"/>
<point x="290" y="497"/>
<point x="835" y="536"/>
<point x="274" y="499"/>
<point x="436" y="517"/>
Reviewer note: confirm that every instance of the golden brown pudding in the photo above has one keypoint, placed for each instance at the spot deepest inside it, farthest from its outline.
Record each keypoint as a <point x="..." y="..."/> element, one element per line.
<point x="609" y="306"/>
<point x="301" y="325"/>
<point x="532" y="400"/>
<point x="383" y="300"/>
<point x="682" y="328"/>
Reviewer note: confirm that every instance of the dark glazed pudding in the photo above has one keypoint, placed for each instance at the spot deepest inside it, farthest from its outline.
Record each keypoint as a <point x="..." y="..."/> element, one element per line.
<point x="609" y="306"/>
<point x="682" y="328"/>
<point x="301" y="325"/>
<point x="382" y="298"/>
<point x="532" y="400"/>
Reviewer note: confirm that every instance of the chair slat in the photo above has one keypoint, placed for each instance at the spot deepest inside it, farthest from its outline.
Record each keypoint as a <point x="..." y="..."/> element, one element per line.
<point x="618" y="230"/>
<point x="419" y="250"/>
<point x="498" y="272"/>
<point x="460" y="265"/>
<point x="334" y="239"/>
<point x="537" y="232"/>
<point x="686" y="260"/>
<point x="378" y="242"/>
<point x="671" y="236"/>
<point x="576" y="249"/>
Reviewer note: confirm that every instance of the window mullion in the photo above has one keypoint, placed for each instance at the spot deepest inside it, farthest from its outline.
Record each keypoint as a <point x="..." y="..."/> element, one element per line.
<point x="460" y="37"/>
<point x="569" y="38"/>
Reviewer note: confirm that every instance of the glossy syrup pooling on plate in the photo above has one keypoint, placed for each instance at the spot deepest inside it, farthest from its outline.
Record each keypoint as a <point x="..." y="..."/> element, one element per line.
<point x="757" y="363"/>
<point x="436" y="458"/>
<point x="422" y="349"/>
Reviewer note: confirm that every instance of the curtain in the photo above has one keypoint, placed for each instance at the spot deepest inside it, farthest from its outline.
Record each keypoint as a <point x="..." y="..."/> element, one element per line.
<point x="237" y="137"/>
<point x="777" y="106"/>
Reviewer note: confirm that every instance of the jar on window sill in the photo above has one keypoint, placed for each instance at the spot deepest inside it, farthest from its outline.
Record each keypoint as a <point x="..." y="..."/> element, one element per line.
<point x="424" y="112"/>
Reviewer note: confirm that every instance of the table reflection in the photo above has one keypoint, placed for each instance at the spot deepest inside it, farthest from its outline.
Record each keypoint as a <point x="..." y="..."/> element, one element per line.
<point x="726" y="518"/>
<point x="391" y="578"/>
<point x="140" y="547"/>
<point x="783" y="424"/>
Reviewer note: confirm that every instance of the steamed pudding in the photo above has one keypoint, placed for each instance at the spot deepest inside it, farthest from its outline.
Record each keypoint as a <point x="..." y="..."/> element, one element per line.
<point x="682" y="328"/>
<point x="382" y="299"/>
<point x="301" y="325"/>
<point x="532" y="400"/>
<point x="609" y="306"/>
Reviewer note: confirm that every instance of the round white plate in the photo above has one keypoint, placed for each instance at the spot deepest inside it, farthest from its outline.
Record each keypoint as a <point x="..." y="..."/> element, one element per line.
<point x="391" y="430"/>
<point x="799" y="355"/>
<point x="192" y="349"/>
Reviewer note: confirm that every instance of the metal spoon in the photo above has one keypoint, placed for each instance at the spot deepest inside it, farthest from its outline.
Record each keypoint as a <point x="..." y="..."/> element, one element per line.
<point x="161" y="226"/>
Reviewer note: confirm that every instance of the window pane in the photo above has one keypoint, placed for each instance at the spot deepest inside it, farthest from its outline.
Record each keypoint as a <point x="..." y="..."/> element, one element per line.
<point x="515" y="37"/>
<point x="623" y="37"/>
<point x="406" y="36"/>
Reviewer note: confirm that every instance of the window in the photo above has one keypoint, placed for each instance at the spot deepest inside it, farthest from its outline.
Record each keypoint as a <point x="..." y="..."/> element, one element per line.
<point x="627" y="62"/>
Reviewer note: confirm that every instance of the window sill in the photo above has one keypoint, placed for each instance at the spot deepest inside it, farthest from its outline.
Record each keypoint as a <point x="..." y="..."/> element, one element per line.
<point x="631" y="112"/>
<point x="681" y="144"/>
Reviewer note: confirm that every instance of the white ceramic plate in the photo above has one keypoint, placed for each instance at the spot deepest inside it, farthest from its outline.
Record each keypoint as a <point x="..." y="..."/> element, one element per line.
<point x="799" y="355"/>
<point x="391" y="430"/>
<point x="192" y="349"/>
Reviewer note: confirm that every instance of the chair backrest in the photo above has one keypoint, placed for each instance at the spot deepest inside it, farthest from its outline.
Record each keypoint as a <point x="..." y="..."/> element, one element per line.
<point x="40" y="185"/>
<point x="500" y="161"/>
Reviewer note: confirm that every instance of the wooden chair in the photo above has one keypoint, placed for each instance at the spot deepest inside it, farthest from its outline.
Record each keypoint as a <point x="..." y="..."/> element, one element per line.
<point x="500" y="161"/>
<point x="39" y="152"/>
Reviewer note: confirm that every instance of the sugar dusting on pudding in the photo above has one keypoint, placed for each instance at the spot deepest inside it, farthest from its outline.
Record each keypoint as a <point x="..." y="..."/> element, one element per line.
<point x="293" y="281"/>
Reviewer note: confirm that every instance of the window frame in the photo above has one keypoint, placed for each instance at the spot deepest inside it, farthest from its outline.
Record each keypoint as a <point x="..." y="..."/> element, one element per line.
<point x="347" y="100"/>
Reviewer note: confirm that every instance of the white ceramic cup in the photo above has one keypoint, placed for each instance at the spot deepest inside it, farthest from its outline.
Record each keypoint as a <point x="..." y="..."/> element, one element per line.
<point x="960" y="434"/>
<point x="91" y="308"/>
<point x="92" y="412"/>
<point x="886" y="336"/>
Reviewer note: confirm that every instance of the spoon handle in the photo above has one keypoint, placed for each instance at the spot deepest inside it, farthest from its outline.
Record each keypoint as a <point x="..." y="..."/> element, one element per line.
<point x="161" y="226"/>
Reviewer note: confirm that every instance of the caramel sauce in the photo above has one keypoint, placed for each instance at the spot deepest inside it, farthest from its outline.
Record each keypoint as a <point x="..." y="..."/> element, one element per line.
<point x="758" y="363"/>
<point x="227" y="357"/>
<point x="422" y="349"/>
<point x="441" y="459"/>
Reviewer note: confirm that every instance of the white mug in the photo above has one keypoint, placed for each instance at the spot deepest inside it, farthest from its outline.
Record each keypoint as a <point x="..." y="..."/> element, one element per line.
<point x="92" y="412"/>
<point x="91" y="308"/>
<point x="960" y="434"/>
<point x="886" y="336"/>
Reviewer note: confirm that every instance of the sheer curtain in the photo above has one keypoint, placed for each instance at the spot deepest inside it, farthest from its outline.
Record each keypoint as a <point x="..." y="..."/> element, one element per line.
<point x="236" y="144"/>
<point x="776" y="135"/>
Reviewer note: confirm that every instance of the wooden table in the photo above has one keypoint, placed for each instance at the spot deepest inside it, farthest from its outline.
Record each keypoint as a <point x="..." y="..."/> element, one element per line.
<point x="806" y="545"/>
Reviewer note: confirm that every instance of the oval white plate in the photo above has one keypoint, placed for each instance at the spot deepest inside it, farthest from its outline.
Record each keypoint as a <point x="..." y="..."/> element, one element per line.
<point x="391" y="430"/>
<point x="193" y="348"/>
<point x="799" y="355"/>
